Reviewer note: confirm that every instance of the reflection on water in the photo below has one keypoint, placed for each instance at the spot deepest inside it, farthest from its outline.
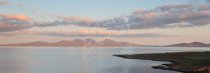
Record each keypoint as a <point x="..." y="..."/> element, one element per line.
<point x="69" y="60"/>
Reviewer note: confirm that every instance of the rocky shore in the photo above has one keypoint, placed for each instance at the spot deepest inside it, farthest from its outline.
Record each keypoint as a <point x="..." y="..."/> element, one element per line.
<point x="187" y="62"/>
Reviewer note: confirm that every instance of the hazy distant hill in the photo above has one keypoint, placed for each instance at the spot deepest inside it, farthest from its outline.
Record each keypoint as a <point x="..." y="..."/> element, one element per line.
<point x="78" y="43"/>
<point x="193" y="44"/>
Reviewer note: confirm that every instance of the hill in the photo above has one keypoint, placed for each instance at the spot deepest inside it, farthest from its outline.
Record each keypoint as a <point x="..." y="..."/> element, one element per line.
<point x="77" y="43"/>
<point x="193" y="44"/>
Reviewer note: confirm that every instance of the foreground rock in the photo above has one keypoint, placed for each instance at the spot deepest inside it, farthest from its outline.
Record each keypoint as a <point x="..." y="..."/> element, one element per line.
<point x="187" y="62"/>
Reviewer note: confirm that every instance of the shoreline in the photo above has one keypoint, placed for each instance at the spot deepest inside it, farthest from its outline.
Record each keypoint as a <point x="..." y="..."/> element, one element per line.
<point x="187" y="62"/>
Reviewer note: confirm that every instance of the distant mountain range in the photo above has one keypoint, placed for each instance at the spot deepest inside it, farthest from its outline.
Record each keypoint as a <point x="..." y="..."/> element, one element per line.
<point x="193" y="44"/>
<point x="104" y="43"/>
<point x="78" y="43"/>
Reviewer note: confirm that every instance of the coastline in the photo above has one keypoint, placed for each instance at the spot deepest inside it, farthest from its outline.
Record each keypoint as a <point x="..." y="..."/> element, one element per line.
<point x="187" y="62"/>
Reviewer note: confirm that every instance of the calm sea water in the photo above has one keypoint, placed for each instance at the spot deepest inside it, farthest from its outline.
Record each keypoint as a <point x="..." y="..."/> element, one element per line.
<point x="72" y="59"/>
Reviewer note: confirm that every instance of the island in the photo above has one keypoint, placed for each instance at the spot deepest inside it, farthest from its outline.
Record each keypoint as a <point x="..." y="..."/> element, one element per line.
<point x="89" y="42"/>
<point x="187" y="62"/>
<point x="193" y="44"/>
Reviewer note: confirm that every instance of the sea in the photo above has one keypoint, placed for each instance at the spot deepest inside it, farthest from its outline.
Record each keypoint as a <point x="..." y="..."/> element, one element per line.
<point x="82" y="59"/>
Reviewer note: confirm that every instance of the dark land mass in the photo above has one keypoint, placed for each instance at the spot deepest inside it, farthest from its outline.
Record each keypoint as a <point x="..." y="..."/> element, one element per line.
<point x="187" y="62"/>
<point x="193" y="44"/>
<point x="77" y="43"/>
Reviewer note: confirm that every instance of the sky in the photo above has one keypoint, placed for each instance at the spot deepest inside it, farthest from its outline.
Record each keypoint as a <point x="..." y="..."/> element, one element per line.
<point x="147" y="22"/>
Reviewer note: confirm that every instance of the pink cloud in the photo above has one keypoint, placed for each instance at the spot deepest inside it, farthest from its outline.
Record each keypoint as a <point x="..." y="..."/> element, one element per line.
<point x="16" y="17"/>
<point x="78" y="18"/>
<point x="96" y="32"/>
<point x="3" y="3"/>
<point x="7" y="22"/>
<point x="205" y="7"/>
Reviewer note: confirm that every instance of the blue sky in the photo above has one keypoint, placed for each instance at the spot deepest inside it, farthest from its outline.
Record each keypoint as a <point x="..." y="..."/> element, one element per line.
<point x="150" y="21"/>
<point x="88" y="8"/>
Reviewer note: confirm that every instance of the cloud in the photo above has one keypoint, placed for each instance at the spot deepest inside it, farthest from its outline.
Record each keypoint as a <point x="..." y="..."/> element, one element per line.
<point x="14" y="22"/>
<point x="15" y="17"/>
<point x="78" y="19"/>
<point x="148" y="35"/>
<point x="81" y="32"/>
<point x="98" y="32"/>
<point x="3" y="3"/>
<point x="208" y="0"/>
<point x="21" y="5"/>
<point x="86" y="33"/>
<point x="9" y="3"/>
<point x="6" y="27"/>
<point x="167" y="16"/>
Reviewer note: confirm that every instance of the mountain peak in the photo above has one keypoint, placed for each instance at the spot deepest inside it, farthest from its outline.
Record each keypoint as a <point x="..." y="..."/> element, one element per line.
<point x="197" y="43"/>
<point x="108" y="40"/>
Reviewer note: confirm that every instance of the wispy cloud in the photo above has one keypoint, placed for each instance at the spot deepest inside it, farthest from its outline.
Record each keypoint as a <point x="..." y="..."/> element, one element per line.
<point x="87" y="33"/>
<point x="77" y="19"/>
<point x="3" y="3"/>
<point x="15" y="17"/>
<point x="167" y="16"/>
<point x="137" y="35"/>
<point x="14" y="22"/>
